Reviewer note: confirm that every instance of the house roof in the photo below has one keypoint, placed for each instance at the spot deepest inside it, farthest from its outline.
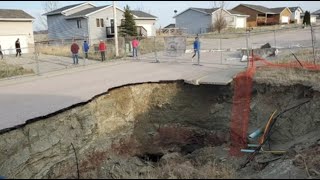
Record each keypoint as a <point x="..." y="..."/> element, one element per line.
<point x="259" y="8"/>
<point x="208" y="11"/>
<point x="236" y="12"/>
<point x="14" y="14"/>
<point x="58" y="11"/>
<point x="203" y="10"/>
<point x="277" y="10"/>
<point x="141" y="14"/>
<point x="171" y="26"/>
<point x="316" y="12"/>
<point x="293" y="9"/>
<point x="84" y="12"/>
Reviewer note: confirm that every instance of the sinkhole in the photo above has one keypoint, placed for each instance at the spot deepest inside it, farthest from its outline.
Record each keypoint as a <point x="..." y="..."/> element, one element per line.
<point x="151" y="130"/>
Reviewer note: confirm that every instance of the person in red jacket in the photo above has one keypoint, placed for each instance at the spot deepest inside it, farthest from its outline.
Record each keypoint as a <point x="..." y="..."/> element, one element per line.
<point x="135" y="44"/>
<point x="102" y="49"/>
<point x="75" y="50"/>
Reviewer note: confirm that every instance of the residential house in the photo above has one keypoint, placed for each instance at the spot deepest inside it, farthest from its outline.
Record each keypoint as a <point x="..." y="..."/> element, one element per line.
<point x="295" y="14"/>
<point x="283" y="15"/>
<point x="259" y="15"/>
<point x="145" y="23"/>
<point x="81" y="21"/>
<point x="317" y="13"/>
<point x="85" y="20"/>
<point x="200" y="20"/>
<point x="16" y="24"/>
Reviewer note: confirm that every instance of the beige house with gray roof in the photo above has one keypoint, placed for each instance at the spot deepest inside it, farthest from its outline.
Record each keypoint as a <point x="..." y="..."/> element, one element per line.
<point x="16" y="24"/>
<point x="145" y="21"/>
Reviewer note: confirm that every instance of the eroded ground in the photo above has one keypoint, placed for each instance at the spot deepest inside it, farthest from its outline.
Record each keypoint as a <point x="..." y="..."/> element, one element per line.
<point x="168" y="130"/>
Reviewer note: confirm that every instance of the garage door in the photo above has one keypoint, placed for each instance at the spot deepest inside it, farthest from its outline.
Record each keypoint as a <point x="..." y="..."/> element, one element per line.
<point x="8" y="44"/>
<point x="241" y="22"/>
<point x="284" y="19"/>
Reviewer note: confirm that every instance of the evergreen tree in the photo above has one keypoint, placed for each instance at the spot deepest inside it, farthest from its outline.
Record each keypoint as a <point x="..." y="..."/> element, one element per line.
<point x="128" y="25"/>
<point x="306" y="18"/>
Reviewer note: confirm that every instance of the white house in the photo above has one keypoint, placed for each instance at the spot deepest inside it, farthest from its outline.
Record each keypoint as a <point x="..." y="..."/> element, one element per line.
<point x="200" y="20"/>
<point x="296" y="13"/>
<point x="145" y="21"/>
<point x="85" y="20"/>
<point x="16" y="24"/>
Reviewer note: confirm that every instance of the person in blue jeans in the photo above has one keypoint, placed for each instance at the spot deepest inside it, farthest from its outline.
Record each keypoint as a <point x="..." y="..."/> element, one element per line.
<point x="135" y="44"/>
<point x="196" y="48"/>
<point x="85" y="49"/>
<point x="74" y="49"/>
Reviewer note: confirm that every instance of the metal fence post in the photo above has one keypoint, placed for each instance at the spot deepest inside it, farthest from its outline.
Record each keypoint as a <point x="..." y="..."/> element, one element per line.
<point x="36" y="58"/>
<point x="155" y="49"/>
<point x="247" y="45"/>
<point x="275" y="40"/>
<point x="312" y="41"/>
<point x="220" y="48"/>
<point x="7" y="69"/>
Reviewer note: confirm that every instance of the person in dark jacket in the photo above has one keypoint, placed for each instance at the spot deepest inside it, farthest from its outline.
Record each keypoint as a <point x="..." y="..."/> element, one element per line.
<point x="18" y="48"/>
<point x="85" y="49"/>
<point x="75" y="51"/>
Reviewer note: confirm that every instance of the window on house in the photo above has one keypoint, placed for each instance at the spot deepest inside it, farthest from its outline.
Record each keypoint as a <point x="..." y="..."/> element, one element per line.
<point x="98" y="22"/>
<point x="79" y="23"/>
<point x="101" y="23"/>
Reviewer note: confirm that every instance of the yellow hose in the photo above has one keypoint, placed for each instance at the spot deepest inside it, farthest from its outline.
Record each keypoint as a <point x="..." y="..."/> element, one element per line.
<point x="267" y="127"/>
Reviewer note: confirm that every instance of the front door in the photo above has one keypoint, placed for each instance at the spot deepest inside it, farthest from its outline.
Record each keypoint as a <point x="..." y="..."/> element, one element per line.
<point x="112" y="25"/>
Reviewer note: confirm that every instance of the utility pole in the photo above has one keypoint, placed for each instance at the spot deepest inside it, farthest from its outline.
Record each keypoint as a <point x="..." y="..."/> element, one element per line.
<point x="115" y="28"/>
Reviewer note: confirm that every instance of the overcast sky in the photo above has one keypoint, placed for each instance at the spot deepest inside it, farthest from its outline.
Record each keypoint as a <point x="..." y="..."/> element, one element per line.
<point x="164" y="10"/>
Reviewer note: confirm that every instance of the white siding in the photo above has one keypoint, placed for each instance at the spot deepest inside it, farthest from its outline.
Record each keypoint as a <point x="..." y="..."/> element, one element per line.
<point x="148" y="25"/>
<point x="195" y="22"/>
<point x="11" y="31"/>
<point x="229" y="18"/>
<point x="296" y="16"/>
<point x="60" y="28"/>
<point x="97" y="33"/>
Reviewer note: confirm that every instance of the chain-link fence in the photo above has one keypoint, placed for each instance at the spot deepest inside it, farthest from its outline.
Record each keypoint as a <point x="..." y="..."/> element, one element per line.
<point x="281" y="44"/>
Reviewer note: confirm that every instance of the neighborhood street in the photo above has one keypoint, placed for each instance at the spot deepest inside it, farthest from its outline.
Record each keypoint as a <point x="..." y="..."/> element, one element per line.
<point x="30" y="97"/>
<point x="26" y="98"/>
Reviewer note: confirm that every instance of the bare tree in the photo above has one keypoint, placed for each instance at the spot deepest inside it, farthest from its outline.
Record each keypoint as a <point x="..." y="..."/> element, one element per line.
<point x="47" y="6"/>
<point x="220" y="21"/>
<point x="220" y="4"/>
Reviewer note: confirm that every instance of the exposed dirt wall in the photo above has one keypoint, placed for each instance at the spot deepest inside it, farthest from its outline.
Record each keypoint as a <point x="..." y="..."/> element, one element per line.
<point x="151" y="119"/>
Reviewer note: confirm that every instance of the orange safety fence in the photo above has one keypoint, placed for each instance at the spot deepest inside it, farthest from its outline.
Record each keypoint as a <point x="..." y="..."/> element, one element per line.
<point x="241" y="109"/>
<point x="243" y="83"/>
